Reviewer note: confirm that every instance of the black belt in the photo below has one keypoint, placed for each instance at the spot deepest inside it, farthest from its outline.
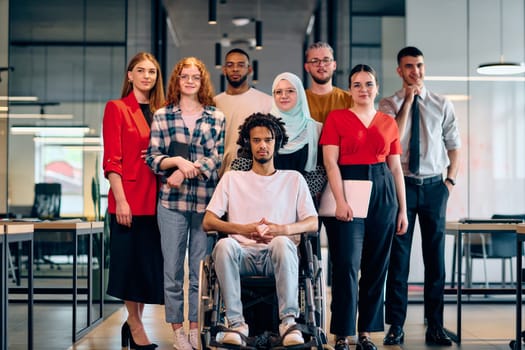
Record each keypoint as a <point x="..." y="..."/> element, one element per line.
<point x="423" y="181"/>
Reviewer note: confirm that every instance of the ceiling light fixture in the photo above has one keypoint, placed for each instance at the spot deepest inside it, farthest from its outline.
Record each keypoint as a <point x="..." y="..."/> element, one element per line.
<point x="258" y="35"/>
<point x="212" y="11"/>
<point x="241" y="21"/>
<point x="218" y="55"/>
<point x="50" y="130"/>
<point x="225" y="41"/>
<point x="258" y="28"/>
<point x="462" y="78"/>
<point x="18" y="98"/>
<point x="501" y="67"/>
<point x="45" y="116"/>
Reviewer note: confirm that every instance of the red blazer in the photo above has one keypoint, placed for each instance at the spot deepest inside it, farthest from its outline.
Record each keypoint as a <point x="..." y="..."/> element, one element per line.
<point x="126" y="135"/>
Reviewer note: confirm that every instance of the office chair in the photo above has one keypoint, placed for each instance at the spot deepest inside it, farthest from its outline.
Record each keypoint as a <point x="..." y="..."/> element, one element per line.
<point x="46" y="204"/>
<point x="496" y="246"/>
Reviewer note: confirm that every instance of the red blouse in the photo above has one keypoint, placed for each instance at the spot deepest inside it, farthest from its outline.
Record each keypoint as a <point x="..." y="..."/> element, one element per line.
<point x="357" y="143"/>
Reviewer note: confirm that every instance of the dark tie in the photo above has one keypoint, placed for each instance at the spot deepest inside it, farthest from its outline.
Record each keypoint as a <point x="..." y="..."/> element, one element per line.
<point x="413" y="161"/>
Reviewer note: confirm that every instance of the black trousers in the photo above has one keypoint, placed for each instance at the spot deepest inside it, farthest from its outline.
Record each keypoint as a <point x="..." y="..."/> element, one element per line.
<point x="429" y="203"/>
<point x="362" y="244"/>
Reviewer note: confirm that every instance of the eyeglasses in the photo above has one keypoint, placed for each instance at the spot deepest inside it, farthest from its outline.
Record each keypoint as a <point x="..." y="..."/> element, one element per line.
<point x="186" y="77"/>
<point x="240" y="65"/>
<point x="282" y="92"/>
<point x="325" y="61"/>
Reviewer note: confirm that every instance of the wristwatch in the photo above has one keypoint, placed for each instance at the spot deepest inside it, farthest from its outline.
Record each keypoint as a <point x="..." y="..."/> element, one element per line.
<point x="451" y="180"/>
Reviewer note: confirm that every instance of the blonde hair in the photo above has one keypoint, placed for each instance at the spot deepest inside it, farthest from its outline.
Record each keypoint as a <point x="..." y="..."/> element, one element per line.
<point x="206" y="91"/>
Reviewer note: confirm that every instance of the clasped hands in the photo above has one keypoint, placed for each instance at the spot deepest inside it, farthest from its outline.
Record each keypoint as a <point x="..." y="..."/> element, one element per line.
<point x="186" y="170"/>
<point x="264" y="231"/>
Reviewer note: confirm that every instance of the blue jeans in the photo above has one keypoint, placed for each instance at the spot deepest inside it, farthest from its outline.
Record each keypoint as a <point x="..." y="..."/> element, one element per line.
<point x="279" y="258"/>
<point x="179" y="231"/>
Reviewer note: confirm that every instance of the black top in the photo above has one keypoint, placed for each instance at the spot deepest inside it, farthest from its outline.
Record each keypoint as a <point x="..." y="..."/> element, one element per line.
<point x="293" y="161"/>
<point x="147" y="112"/>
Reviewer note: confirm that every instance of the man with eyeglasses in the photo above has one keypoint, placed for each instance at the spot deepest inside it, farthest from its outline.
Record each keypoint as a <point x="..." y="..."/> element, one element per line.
<point x="239" y="101"/>
<point x="322" y="96"/>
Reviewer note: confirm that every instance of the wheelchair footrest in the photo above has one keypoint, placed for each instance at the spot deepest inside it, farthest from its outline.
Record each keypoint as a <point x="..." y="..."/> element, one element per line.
<point x="266" y="340"/>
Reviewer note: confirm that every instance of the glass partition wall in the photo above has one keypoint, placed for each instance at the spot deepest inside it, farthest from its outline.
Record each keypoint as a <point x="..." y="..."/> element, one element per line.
<point x="456" y="37"/>
<point x="4" y="83"/>
<point x="67" y="60"/>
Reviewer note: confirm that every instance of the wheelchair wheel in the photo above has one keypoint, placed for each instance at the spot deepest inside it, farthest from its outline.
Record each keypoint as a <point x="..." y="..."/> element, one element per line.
<point x="205" y="302"/>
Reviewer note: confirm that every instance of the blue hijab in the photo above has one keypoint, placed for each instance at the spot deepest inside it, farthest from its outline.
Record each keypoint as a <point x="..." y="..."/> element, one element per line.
<point x="297" y="122"/>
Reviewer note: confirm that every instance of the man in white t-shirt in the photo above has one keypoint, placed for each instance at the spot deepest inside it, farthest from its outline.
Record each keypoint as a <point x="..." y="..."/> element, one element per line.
<point x="267" y="210"/>
<point x="238" y="102"/>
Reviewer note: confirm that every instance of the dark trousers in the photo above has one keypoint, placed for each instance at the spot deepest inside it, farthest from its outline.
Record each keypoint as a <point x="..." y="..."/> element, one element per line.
<point x="429" y="203"/>
<point x="362" y="244"/>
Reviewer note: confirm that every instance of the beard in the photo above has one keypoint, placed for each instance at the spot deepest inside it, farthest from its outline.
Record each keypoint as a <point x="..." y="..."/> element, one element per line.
<point x="262" y="160"/>
<point x="322" y="81"/>
<point x="237" y="83"/>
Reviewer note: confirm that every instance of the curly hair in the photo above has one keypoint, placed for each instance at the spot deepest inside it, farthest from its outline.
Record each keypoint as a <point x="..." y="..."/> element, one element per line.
<point x="272" y="123"/>
<point x="206" y="91"/>
<point x="156" y="95"/>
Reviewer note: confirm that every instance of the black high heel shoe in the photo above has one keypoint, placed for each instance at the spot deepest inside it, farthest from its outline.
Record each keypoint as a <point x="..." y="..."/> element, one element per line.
<point x="127" y="339"/>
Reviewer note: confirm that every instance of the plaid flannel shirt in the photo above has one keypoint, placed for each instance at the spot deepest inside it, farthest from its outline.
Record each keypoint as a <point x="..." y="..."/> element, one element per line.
<point x="206" y="146"/>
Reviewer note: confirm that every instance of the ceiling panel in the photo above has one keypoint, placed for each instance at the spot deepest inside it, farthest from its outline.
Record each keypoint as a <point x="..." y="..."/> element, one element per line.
<point x="282" y="20"/>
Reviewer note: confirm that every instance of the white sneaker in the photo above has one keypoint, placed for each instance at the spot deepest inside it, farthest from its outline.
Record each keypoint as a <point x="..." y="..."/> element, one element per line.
<point x="234" y="338"/>
<point x="181" y="340"/>
<point x="194" y="338"/>
<point x="294" y="337"/>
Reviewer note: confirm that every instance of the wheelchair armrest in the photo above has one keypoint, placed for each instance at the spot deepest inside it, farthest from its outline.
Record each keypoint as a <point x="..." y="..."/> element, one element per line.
<point x="310" y="235"/>
<point x="212" y="233"/>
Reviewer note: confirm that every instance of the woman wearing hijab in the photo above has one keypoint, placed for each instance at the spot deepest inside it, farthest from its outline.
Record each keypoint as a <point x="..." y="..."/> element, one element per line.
<point x="301" y="151"/>
<point x="290" y="104"/>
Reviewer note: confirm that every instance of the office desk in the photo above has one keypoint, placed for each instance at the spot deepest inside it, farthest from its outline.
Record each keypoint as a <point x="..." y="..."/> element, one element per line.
<point x="77" y="230"/>
<point x="12" y="234"/>
<point x="520" y="238"/>
<point x="459" y="229"/>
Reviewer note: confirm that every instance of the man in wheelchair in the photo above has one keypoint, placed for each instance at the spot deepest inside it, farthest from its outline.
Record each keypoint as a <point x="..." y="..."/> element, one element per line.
<point x="266" y="211"/>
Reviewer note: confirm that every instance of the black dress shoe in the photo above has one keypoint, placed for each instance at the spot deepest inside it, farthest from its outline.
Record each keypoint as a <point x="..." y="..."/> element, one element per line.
<point x="365" y="343"/>
<point x="395" y="336"/>
<point x="437" y="336"/>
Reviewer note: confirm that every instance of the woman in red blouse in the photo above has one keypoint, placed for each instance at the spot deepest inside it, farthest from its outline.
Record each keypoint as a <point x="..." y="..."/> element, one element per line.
<point x="361" y="143"/>
<point x="136" y="264"/>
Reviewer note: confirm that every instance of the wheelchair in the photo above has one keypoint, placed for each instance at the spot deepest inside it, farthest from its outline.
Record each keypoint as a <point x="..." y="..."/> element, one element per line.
<point x="260" y="305"/>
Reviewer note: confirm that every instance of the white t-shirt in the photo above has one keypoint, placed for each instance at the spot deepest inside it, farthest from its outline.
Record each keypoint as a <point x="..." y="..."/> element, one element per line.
<point x="236" y="109"/>
<point x="281" y="198"/>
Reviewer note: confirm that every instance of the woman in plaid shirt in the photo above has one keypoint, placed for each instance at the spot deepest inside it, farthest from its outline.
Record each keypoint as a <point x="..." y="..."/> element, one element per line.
<point x="186" y="149"/>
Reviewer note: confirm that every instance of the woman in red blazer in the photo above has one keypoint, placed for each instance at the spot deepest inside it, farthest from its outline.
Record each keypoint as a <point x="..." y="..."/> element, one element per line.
<point x="136" y="264"/>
